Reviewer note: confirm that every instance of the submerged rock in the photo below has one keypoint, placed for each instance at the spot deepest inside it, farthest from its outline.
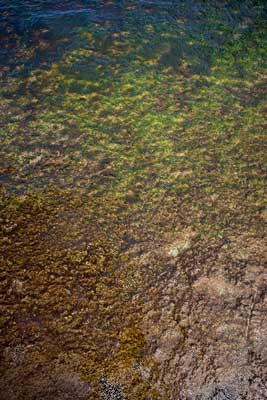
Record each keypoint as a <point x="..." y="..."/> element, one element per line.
<point x="179" y="248"/>
<point x="181" y="244"/>
<point x="221" y="394"/>
<point x="110" y="391"/>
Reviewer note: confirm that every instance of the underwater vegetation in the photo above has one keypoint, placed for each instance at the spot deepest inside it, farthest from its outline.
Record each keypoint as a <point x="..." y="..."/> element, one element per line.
<point x="133" y="200"/>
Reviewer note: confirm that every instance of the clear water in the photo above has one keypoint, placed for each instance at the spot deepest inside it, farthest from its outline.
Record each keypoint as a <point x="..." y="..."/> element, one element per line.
<point x="133" y="200"/>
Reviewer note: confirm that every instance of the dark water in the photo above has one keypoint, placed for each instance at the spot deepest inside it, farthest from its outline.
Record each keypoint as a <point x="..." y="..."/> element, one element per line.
<point x="22" y="20"/>
<point x="133" y="199"/>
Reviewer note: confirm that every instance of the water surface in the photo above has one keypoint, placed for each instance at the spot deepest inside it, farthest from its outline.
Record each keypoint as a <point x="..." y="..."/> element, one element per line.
<point x="133" y="200"/>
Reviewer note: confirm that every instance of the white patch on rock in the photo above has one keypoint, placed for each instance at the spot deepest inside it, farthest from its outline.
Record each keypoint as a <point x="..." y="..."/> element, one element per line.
<point x="179" y="248"/>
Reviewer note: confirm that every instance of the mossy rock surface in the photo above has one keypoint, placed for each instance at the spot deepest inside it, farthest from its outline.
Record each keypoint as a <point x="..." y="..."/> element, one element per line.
<point x="133" y="199"/>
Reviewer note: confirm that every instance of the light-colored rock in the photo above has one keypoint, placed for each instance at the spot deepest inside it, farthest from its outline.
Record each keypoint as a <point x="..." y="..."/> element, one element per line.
<point x="179" y="248"/>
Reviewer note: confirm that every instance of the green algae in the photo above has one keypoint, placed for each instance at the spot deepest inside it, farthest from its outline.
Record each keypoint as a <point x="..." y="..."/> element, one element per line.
<point x="138" y="134"/>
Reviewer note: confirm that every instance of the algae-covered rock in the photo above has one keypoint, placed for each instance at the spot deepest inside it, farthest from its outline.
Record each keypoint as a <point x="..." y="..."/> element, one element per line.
<point x="133" y="200"/>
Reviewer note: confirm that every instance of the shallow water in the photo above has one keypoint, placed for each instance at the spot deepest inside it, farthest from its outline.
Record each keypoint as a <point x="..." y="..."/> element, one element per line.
<point x="133" y="200"/>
